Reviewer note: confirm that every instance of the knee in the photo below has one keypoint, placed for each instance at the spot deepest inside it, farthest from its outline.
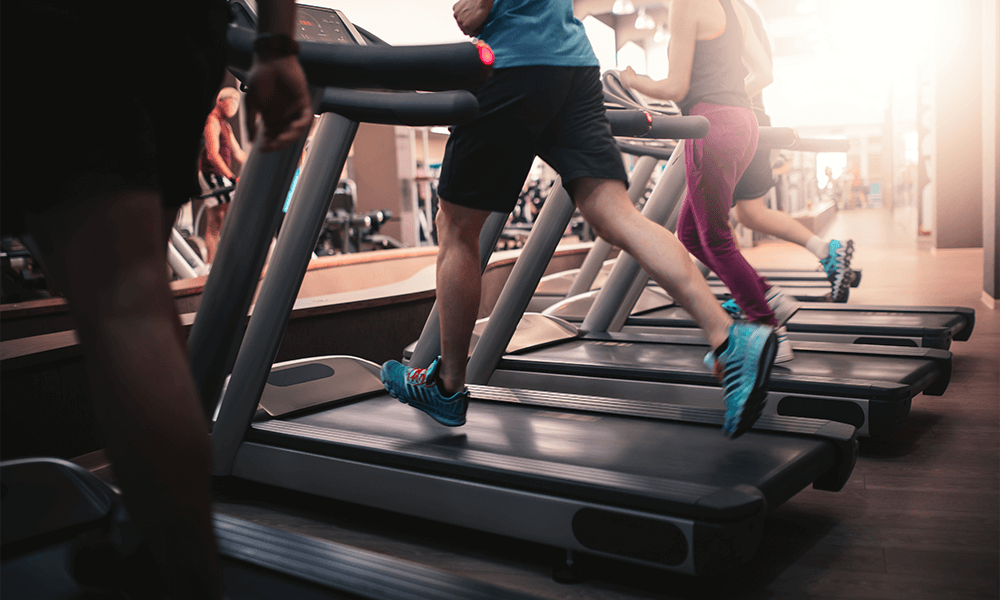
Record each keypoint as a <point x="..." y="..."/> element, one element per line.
<point x="748" y="213"/>
<point x="739" y="212"/>
<point x="449" y="229"/>
<point x="459" y="225"/>
<point x="608" y="209"/>
<point x="614" y="228"/>
<point x="604" y="232"/>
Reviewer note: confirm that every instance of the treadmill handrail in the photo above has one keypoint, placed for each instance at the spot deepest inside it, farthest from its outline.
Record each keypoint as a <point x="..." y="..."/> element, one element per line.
<point x="629" y="122"/>
<point x="820" y="145"/>
<point x="675" y="128"/>
<point x="431" y="68"/>
<point x="657" y="152"/>
<point x="776" y="137"/>
<point x="401" y="108"/>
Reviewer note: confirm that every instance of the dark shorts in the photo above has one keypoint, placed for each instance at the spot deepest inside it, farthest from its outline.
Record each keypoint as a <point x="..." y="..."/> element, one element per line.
<point x="556" y="113"/>
<point x="101" y="105"/>
<point x="758" y="179"/>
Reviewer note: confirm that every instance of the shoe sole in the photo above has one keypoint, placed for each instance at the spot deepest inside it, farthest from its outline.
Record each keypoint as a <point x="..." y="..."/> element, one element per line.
<point x="442" y="421"/>
<point x="754" y="406"/>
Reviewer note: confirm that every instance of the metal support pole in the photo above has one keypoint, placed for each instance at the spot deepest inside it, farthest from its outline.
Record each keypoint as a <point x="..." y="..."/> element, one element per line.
<point x="299" y="231"/>
<point x="521" y="284"/>
<point x="246" y="233"/>
<point x="668" y="192"/>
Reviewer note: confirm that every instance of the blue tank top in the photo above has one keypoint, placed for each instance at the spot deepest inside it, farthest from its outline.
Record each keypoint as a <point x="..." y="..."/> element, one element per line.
<point x="527" y="33"/>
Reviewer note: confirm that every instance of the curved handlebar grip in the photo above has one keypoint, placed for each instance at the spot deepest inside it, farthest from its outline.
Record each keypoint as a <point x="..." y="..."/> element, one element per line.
<point x="401" y="108"/>
<point x="657" y="152"/>
<point x="820" y="145"/>
<point x="430" y="68"/>
<point x="628" y="123"/>
<point x="679" y="128"/>
<point x="776" y="137"/>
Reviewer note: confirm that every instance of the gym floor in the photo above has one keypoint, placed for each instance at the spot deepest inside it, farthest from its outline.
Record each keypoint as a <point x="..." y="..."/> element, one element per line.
<point x="920" y="517"/>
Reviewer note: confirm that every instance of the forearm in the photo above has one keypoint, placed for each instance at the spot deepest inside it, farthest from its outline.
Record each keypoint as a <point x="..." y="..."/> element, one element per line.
<point x="238" y="154"/>
<point x="664" y="89"/>
<point x="220" y="166"/>
<point x="471" y="15"/>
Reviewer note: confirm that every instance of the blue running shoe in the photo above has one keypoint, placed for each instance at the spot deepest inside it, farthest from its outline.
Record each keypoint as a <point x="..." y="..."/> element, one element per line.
<point x="744" y="369"/>
<point x="419" y="389"/>
<point x="837" y="265"/>
<point x="733" y="309"/>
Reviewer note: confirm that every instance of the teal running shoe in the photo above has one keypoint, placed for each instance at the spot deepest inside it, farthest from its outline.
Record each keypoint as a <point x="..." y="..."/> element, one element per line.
<point x="837" y="265"/>
<point x="744" y="368"/>
<point x="733" y="309"/>
<point x="419" y="389"/>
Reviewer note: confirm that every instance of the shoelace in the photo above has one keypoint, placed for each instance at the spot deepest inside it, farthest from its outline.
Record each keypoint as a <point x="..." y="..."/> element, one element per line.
<point x="417" y="376"/>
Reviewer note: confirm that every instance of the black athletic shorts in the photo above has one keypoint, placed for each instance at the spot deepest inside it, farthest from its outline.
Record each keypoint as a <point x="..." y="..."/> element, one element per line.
<point x="556" y="113"/>
<point x="758" y="179"/>
<point x="109" y="98"/>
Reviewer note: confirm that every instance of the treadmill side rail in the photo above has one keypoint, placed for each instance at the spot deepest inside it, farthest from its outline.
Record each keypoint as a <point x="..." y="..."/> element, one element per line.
<point x="343" y="568"/>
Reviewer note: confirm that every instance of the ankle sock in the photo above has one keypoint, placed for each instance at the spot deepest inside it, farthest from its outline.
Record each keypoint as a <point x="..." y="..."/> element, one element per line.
<point x="818" y="247"/>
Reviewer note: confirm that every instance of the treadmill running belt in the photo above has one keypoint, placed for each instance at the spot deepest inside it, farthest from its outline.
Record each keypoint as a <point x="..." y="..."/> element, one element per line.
<point x="850" y="373"/>
<point x="643" y="462"/>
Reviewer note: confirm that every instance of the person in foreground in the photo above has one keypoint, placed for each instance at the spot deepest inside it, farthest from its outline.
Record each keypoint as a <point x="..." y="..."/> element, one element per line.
<point x="545" y="99"/>
<point x="143" y="82"/>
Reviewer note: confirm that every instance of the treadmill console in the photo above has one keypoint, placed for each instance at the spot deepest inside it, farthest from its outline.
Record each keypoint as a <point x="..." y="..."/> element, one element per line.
<point x="315" y="23"/>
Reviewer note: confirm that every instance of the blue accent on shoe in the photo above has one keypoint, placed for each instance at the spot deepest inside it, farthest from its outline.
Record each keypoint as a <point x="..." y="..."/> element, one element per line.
<point x="837" y="265"/>
<point x="745" y="372"/>
<point x="419" y="389"/>
<point x="734" y="310"/>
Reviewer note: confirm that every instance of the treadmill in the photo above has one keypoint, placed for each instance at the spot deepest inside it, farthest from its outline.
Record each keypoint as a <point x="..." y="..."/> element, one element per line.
<point x="807" y="285"/>
<point x="650" y="483"/>
<point x="868" y="387"/>
<point x="50" y="506"/>
<point x="640" y="305"/>
<point x="911" y="326"/>
<point x="557" y="287"/>
<point x="917" y="326"/>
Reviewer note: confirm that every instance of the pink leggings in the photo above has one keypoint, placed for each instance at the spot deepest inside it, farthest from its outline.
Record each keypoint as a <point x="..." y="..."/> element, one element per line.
<point x="713" y="165"/>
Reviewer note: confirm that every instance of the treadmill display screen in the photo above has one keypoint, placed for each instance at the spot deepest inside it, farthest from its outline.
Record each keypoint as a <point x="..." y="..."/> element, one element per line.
<point x="318" y="25"/>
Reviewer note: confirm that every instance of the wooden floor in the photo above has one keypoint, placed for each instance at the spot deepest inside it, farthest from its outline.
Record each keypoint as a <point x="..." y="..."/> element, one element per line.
<point x="919" y="518"/>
